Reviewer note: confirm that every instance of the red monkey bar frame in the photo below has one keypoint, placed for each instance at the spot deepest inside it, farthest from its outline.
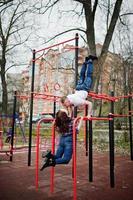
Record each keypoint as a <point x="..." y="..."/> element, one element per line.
<point x="37" y="148"/>
<point x="74" y="150"/>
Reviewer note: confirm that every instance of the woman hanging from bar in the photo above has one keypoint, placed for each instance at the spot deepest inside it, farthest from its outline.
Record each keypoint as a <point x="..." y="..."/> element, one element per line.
<point x="64" y="127"/>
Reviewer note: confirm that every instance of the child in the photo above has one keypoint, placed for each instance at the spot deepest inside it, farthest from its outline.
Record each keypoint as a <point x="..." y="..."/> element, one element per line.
<point x="9" y="135"/>
<point x="82" y="88"/>
<point x="64" y="126"/>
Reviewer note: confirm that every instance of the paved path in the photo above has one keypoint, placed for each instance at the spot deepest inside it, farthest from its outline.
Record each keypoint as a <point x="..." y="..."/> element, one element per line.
<point x="17" y="180"/>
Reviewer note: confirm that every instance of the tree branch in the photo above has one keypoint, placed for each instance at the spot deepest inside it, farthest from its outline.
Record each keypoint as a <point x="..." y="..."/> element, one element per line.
<point x="5" y="2"/>
<point x="94" y="8"/>
<point x="124" y="14"/>
<point x="74" y="29"/>
<point x="112" y="25"/>
<point x="48" y="6"/>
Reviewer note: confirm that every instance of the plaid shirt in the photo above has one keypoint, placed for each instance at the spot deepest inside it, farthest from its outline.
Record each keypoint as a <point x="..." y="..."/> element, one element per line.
<point x="70" y="132"/>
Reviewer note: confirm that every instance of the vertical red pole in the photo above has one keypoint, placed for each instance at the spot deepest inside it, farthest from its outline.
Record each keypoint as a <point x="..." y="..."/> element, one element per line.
<point x="37" y="154"/>
<point x="74" y="162"/>
<point x="1" y="135"/>
<point x="85" y="126"/>
<point x="53" y="152"/>
<point x="1" y="140"/>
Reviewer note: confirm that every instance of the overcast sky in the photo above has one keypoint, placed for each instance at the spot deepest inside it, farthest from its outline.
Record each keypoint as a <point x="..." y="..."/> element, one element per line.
<point x="48" y="25"/>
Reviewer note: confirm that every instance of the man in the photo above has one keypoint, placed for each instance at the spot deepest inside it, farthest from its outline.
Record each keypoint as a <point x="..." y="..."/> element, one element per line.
<point x="82" y="88"/>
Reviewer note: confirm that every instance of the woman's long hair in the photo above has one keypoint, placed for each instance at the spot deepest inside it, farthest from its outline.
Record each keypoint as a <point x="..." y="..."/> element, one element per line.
<point x="62" y="122"/>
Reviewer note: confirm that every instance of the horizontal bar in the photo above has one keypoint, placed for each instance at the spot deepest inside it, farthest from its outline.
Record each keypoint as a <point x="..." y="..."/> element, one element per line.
<point x="97" y="118"/>
<point x="55" y="45"/>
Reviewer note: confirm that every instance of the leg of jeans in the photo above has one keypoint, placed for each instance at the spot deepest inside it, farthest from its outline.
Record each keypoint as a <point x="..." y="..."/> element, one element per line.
<point x="88" y="80"/>
<point x="82" y="75"/>
<point x="86" y="85"/>
<point x="60" y="149"/>
<point x="89" y="68"/>
<point x="67" y="152"/>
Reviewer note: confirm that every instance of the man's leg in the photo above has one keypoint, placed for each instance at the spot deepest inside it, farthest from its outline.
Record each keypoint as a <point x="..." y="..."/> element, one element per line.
<point x="82" y="76"/>
<point x="88" y="79"/>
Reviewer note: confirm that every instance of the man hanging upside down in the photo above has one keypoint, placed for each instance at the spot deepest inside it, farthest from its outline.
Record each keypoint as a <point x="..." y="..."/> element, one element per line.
<point x="82" y="88"/>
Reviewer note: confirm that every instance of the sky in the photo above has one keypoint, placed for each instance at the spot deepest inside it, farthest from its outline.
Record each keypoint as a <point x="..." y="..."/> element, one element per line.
<point x="48" y="25"/>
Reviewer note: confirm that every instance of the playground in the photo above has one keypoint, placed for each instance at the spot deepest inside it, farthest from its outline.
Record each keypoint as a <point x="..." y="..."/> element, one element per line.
<point x="17" y="180"/>
<point x="89" y="175"/>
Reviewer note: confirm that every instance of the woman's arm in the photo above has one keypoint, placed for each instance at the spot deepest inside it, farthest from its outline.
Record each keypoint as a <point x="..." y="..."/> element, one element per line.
<point x="80" y="124"/>
<point x="89" y="107"/>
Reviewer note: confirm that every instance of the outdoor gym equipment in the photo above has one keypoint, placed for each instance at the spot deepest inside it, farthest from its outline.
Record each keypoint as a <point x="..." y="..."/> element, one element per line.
<point x="34" y="58"/>
<point x="110" y="119"/>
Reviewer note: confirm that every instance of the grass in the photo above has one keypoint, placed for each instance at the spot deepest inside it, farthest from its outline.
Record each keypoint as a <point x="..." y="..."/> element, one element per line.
<point x="122" y="145"/>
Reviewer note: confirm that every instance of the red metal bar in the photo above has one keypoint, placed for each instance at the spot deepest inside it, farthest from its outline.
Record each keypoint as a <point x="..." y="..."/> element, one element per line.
<point x="37" y="154"/>
<point x="131" y="111"/>
<point x="97" y="118"/>
<point x="37" y="150"/>
<point x="74" y="150"/>
<point x="1" y="140"/>
<point x="86" y="131"/>
<point x="126" y="96"/>
<point x="101" y="96"/>
<point x="45" y="94"/>
<point x="118" y="115"/>
<point x="22" y="96"/>
<point x="55" y="45"/>
<point x="85" y="127"/>
<point x="74" y="160"/>
<point x="41" y="96"/>
<point x="74" y="47"/>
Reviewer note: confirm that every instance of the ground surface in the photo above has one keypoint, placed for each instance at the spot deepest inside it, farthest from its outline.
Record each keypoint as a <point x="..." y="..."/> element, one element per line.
<point x="17" y="180"/>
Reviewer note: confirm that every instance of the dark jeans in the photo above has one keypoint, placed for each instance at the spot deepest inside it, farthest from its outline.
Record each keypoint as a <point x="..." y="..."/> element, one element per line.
<point x="64" y="151"/>
<point x="85" y="79"/>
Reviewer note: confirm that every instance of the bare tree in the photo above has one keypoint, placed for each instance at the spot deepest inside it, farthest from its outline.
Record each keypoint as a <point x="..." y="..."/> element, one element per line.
<point x="88" y="10"/>
<point x="5" y="2"/>
<point x="11" y="26"/>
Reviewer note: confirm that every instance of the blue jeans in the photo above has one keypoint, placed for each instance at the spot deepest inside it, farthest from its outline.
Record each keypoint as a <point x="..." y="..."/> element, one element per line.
<point x="64" y="151"/>
<point x="85" y="79"/>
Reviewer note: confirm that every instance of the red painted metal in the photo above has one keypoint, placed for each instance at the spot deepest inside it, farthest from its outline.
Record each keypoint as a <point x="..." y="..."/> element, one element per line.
<point x="37" y="150"/>
<point x="126" y="96"/>
<point x="49" y="97"/>
<point x="131" y="111"/>
<point x="66" y="41"/>
<point x="1" y="140"/>
<point x="37" y="154"/>
<point x="74" y="159"/>
<point x="97" y="118"/>
<point x="74" y="150"/>
<point x="101" y="96"/>
<point x="118" y="115"/>
<point x="85" y="127"/>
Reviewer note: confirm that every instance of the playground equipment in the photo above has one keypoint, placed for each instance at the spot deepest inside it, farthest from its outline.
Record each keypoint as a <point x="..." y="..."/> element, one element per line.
<point x="88" y="133"/>
<point x="10" y="125"/>
<point x="34" y="59"/>
<point x="13" y="128"/>
<point x="89" y="148"/>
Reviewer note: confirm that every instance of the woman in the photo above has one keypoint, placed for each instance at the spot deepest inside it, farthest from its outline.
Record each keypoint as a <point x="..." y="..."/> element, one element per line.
<point x="64" y="126"/>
